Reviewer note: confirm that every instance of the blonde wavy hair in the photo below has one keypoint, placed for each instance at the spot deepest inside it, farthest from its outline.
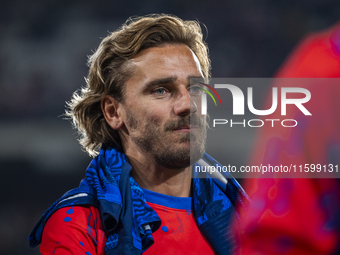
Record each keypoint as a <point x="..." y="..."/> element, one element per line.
<point x="109" y="70"/>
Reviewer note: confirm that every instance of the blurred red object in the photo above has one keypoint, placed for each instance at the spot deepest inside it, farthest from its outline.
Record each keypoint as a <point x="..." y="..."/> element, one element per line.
<point x="300" y="215"/>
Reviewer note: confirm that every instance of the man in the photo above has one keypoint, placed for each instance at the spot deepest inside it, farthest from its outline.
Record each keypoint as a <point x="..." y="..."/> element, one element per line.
<point x="139" y="116"/>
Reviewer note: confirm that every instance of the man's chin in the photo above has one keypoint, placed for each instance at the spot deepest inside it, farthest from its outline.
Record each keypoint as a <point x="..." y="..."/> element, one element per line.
<point x="195" y="156"/>
<point x="177" y="157"/>
<point x="179" y="160"/>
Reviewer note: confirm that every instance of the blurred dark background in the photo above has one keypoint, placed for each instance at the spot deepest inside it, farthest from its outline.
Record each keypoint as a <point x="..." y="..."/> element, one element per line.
<point x="44" y="48"/>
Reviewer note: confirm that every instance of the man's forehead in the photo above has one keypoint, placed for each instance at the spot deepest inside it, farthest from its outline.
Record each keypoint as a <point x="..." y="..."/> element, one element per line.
<point x="154" y="65"/>
<point x="166" y="54"/>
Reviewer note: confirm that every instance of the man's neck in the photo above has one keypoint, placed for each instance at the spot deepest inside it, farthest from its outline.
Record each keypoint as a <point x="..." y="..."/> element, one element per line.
<point x="151" y="176"/>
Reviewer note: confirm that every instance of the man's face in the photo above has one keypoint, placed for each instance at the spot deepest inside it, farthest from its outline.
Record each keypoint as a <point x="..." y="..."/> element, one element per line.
<point x="161" y="115"/>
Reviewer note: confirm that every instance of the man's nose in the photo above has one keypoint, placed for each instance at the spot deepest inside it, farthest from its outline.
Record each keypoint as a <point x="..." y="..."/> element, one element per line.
<point x="184" y="105"/>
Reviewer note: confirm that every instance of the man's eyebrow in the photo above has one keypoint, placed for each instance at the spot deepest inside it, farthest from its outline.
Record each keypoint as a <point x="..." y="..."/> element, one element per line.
<point x="168" y="80"/>
<point x="194" y="79"/>
<point x="161" y="81"/>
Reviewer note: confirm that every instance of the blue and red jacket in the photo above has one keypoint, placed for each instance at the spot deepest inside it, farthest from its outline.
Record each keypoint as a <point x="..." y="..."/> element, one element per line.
<point x="130" y="221"/>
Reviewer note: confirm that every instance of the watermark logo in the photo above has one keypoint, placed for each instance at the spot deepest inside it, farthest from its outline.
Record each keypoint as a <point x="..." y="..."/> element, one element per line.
<point x="238" y="99"/>
<point x="207" y="91"/>
<point x="281" y="98"/>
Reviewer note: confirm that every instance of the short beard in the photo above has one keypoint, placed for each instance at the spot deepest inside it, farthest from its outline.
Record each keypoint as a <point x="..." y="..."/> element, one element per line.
<point x="167" y="156"/>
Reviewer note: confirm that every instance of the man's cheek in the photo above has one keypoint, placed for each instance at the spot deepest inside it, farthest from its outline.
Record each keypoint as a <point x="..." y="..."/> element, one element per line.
<point x="153" y="121"/>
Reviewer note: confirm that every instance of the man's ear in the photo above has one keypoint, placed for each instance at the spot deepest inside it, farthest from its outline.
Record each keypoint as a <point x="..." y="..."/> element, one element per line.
<point x="112" y="112"/>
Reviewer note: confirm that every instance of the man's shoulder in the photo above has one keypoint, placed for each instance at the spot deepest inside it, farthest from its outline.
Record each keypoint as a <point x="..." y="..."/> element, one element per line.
<point x="76" y="197"/>
<point x="76" y="228"/>
<point x="75" y="215"/>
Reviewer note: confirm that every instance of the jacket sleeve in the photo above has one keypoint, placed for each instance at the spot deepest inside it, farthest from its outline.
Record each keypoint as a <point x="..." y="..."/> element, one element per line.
<point x="74" y="230"/>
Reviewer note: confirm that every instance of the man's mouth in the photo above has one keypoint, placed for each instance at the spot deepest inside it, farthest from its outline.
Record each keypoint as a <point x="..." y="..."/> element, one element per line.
<point x="184" y="124"/>
<point x="186" y="128"/>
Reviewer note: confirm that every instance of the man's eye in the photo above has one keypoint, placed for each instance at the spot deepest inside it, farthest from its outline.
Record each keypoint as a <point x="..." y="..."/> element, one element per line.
<point x="194" y="90"/>
<point x="160" y="91"/>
